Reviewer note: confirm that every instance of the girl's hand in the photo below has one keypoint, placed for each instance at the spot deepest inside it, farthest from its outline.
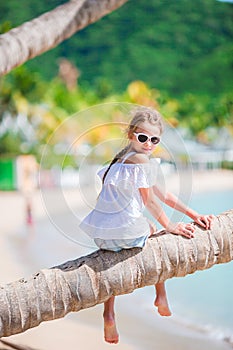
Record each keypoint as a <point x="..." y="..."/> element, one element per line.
<point x="204" y="220"/>
<point x="181" y="228"/>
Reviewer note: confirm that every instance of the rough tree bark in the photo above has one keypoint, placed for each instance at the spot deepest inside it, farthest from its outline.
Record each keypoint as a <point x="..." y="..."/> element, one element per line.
<point x="90" y="280"/>
<point x="47" y="31"/>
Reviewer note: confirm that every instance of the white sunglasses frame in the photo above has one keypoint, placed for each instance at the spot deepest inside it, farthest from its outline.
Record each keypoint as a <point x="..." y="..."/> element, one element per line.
<point x="137" y="134"/>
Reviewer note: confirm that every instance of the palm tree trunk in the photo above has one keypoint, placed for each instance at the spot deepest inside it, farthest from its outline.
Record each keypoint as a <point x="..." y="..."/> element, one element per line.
<point x="47" y="31"/>
<point x="90" y="280"/>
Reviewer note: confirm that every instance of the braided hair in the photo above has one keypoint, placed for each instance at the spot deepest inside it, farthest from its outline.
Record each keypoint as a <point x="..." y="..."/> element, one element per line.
<point x="139" y="115"/>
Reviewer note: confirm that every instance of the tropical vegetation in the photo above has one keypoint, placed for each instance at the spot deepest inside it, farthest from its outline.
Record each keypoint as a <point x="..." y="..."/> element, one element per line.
<point x="175" y="56"/>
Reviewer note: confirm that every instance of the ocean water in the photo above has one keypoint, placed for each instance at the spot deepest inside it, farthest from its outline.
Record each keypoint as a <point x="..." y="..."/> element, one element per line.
<point x="204" y="300"/>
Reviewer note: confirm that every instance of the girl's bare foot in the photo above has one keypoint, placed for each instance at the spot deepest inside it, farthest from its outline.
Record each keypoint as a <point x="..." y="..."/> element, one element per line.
<point x="110" y="331"/>
<point x="162" y="305"/>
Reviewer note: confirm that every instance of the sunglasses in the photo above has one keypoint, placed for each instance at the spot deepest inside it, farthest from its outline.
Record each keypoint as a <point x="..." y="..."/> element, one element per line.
<point x="143" y="138"/>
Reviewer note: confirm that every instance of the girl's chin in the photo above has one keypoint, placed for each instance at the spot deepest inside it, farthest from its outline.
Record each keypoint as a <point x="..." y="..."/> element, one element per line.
<point x="147" y="151"/>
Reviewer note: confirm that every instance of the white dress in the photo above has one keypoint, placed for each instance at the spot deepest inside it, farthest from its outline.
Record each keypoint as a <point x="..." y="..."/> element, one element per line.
<point x="117" y="221"/>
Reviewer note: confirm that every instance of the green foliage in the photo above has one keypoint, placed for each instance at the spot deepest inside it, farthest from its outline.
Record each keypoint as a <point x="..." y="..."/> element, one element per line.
<point x="10" y="144"/>
<point x="176" y="46"/>
<point x="7" y="102"/>
<point x="28" y="83"/>
<point x="173" y="55"/>
<point x="47" y="105"/>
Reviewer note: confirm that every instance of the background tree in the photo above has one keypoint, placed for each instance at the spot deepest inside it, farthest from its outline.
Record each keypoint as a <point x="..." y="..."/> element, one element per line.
<point x="47" y="31"/>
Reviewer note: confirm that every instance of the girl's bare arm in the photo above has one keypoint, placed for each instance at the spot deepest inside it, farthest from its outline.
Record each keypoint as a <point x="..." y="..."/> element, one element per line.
<point x="171" y="200"/>
<point x="179" y="228"/>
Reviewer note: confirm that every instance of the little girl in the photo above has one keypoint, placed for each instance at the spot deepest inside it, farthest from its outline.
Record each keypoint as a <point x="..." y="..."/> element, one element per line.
<point x="118" y="222"/>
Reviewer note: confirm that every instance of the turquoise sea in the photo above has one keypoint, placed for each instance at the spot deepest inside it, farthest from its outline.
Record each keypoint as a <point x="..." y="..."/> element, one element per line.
<point x="204" y="300"/>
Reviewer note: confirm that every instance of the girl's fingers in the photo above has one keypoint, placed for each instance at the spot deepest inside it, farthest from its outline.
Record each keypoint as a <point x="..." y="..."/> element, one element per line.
<point x="205" y="221"/>
<point x="191" y="227"/>
<point x="201" y="222"/>
<point x="187" y="234"/>
<point x="187" y="230"/>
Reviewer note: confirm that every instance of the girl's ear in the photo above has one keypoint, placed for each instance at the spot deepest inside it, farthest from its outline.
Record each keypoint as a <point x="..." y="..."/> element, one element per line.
<point x="130" y="135"/>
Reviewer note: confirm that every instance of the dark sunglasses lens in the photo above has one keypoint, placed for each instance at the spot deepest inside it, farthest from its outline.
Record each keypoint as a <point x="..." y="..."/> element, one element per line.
<point x="142" y="138"/>
<point x="155" y="140"/>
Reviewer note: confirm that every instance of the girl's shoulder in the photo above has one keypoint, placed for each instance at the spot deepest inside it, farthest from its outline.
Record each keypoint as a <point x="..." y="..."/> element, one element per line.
<point x="137" y="158"/>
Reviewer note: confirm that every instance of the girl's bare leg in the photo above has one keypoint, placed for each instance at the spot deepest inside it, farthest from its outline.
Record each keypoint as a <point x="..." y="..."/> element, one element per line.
<point x="161" y="296"/>
<point x="110" y="330"/>
<point x="161" y="301"/>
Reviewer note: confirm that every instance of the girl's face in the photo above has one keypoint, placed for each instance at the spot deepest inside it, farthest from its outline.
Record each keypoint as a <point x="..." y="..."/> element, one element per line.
<point x="149" y="130"/>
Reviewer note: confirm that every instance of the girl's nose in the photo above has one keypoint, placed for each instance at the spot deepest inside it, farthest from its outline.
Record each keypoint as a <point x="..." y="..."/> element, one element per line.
<point x="149" y="143"/>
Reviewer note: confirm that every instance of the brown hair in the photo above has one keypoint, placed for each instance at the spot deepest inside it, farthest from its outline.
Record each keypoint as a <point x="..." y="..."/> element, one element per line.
<point x="139" y="115"/>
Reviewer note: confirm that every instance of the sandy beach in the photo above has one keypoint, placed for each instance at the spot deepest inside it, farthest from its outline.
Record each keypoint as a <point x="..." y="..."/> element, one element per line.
<point x="83" y="330"/>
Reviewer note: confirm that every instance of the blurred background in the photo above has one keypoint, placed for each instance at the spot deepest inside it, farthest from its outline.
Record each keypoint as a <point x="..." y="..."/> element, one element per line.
<point x="58" y="109"/>
<point x="172" y="55"/>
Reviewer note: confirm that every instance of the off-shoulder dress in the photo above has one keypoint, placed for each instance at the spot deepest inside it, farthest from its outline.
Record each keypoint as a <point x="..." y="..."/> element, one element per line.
<point x="118" y="221"/>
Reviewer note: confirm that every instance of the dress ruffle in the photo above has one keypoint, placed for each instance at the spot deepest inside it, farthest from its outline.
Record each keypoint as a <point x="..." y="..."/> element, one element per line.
<point x="138" y="175"/>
